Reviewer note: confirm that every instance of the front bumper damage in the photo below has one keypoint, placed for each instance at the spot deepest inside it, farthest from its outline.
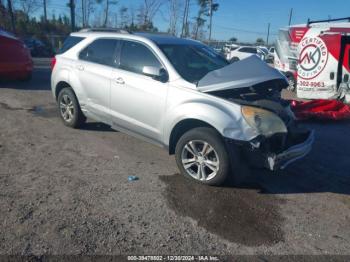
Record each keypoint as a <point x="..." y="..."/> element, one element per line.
<point x="283" y="159"/>
<point x="278" y="151"/>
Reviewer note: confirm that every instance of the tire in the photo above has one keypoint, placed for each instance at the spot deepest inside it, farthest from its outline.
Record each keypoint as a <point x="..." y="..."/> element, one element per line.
<point x="216" y="156"/>
<point x="69" y="109"/>
<point x="234" y="59"/>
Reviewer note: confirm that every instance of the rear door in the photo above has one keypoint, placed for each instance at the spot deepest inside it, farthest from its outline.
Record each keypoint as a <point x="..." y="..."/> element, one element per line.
<point x="94" y="69"/>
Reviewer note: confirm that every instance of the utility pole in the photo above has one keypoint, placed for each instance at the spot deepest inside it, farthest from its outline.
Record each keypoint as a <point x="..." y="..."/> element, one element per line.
<point x="13" y="24"/>
<point x="45" y="13"/>
<point x="268" y="34"/>
<point x="185" y="17"/>
<point x="211" y="17"/>
<point x="290" y="16"/>
<point x="72" y="14"/>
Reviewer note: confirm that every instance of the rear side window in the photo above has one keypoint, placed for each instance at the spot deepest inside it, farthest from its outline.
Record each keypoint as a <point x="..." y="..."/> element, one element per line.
<point x="248" y="50"/>
<point x="101" y="51"/>
<point x="69" y="43"/>
<point x="135" y="56"/>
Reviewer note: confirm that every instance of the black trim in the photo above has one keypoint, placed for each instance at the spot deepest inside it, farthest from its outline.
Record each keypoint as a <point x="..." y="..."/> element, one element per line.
<point x="345" y="40"/>
<point x="326" y="20"/>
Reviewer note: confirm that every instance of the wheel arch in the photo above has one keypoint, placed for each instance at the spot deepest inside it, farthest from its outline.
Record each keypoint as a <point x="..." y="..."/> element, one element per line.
<point x="182" y="127"/>
<point x="61" y="85"/>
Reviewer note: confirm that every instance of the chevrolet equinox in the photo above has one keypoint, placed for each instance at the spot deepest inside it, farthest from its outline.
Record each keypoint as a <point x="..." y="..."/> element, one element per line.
<point x="179" y="94"/>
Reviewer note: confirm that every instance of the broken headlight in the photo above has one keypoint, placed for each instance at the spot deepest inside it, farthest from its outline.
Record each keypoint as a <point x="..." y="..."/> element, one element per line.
<point x="264" y="122"/>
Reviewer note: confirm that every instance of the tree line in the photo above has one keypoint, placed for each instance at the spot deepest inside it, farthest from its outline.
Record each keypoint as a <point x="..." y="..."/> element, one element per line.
<point x="185" y="18"/>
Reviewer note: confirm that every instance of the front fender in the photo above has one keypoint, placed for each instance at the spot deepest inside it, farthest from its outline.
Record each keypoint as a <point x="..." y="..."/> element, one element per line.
<point x="226" y="119"/>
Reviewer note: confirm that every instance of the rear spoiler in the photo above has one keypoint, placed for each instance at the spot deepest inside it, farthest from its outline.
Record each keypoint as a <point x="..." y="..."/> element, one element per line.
<point x="309" y="22"/>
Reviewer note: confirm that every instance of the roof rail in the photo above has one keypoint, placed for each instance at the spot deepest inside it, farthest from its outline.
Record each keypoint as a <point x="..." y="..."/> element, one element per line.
<point x="114" y="30"/>
<point x="327" y="20"/>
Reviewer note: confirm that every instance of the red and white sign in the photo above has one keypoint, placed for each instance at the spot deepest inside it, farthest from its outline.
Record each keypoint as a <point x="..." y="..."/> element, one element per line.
<point x="313" y="57"/>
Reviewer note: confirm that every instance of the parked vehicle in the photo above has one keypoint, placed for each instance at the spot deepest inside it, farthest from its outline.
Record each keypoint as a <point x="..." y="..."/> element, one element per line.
<point x="230" y="47"/>
<point x="315" y="58"/>
<point x="15" y="59"/>
<point x="38" y="48"/>
<point x="216" y="117"/>
<point x="243" y="52"/>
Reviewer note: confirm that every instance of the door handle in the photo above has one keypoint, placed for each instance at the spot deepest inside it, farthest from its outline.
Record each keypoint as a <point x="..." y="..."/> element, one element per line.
<point x="80" y="67"/>
<point x="119" y="81"/>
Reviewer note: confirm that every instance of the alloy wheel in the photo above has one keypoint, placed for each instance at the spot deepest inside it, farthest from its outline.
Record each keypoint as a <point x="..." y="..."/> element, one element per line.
<point x="67" y="108"/>
<point x="200" y="160"/>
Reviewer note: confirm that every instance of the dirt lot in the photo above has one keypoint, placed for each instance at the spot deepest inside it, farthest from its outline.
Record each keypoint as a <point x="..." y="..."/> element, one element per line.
<point x="65" y="191"/>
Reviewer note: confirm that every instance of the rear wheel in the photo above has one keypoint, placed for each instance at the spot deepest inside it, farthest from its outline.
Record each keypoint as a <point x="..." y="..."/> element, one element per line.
<point x="69" y="109"/>
<point x="201" y="155"/>
<point x="234" y="59"/>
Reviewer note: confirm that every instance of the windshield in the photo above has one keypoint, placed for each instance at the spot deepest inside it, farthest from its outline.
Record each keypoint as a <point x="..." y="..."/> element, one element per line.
<point x="193" y="62"/>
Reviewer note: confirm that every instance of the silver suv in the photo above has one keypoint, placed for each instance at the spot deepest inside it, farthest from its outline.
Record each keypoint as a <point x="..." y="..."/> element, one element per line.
<point x="179" y="94"/>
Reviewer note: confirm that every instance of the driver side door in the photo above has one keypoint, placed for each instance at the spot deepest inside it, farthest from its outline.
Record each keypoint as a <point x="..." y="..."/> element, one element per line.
<point x="138" y="100"/>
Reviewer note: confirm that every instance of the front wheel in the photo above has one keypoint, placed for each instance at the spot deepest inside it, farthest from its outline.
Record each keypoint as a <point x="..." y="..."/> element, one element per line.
<point x="201" y="155"/>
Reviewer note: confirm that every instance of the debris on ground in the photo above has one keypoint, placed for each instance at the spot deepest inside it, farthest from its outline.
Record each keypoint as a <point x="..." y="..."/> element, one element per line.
<point x="133" y="178"/>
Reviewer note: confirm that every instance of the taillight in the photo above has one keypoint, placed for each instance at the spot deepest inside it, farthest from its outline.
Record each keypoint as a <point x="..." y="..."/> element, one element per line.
<point x="53" y="62"/>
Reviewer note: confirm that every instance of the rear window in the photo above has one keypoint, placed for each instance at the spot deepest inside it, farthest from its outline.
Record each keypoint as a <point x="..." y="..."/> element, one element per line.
<point x="69" y="43"/>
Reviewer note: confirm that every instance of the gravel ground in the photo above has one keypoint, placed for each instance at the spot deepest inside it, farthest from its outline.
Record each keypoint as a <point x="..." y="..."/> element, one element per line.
<point x="65" y="191"/>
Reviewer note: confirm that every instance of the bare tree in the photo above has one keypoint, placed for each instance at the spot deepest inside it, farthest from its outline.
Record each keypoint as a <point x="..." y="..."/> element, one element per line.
<point x="87" y="8"/>
<point x="150" y="9"/>
<point x="13" y="20"/>
<point x="174" y="11"/>
<point x="83" y="13"/>
<point x="206" y="8"/>
<point x="124" y="17"/>
<point x="198" y="26"/>
<point x="199" y="20"/>
<point x="213" y="7"/>
<point x="28" y="6"/>
<point x="109" y="3"/>
<point x="45" y="11"/>
<point x="185" y="26"/>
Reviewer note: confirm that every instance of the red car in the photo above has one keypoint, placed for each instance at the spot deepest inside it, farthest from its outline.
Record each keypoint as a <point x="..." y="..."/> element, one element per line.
<point x="15" y="59"/>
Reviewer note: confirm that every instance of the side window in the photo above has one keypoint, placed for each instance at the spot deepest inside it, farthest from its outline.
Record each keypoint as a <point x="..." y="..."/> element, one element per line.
<point x="248" y="50"/>
<point x="134" y="56"/>
<point x="101" y="51"/>
<point x="68" y="43"/>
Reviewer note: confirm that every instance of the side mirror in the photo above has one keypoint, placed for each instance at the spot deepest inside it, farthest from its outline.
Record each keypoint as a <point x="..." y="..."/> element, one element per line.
<point x="151" y="71"/>
<point x="156" y="73"/>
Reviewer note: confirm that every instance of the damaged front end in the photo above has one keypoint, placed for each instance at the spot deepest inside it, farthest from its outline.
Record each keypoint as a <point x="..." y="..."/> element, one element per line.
<point x="280" y="141"/>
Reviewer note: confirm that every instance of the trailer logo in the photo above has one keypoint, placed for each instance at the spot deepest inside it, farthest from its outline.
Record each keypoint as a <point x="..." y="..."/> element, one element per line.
<point x="313" y="57"/>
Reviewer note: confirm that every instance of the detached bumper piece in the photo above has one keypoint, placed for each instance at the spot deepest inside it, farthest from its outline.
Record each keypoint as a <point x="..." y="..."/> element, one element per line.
<point x="283" y="159"/>
<point x="278" y="151"/>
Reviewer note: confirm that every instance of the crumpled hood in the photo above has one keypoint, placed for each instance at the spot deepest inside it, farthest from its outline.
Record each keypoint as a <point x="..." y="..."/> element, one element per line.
<point x="244" y="73"/>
